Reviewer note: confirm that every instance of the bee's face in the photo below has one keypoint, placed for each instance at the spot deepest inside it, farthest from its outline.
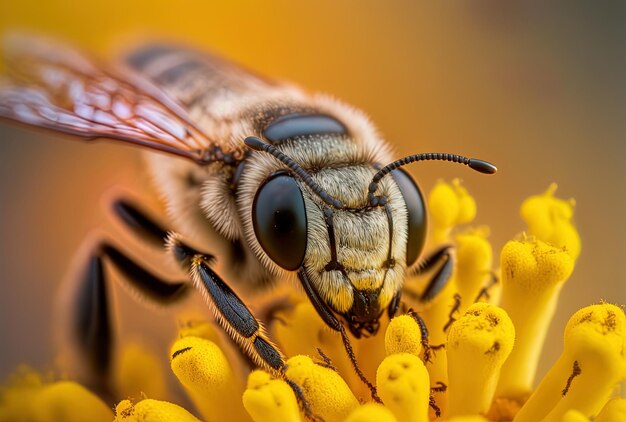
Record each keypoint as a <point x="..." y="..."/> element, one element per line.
<point x="355" y="256"/>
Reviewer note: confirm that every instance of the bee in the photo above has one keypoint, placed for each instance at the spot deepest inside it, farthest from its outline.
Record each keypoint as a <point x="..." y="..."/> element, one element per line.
<point x="278" y="182"/>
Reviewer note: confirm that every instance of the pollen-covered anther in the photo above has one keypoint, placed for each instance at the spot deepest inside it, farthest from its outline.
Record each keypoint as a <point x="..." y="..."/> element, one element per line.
<point x="149" y="410"/>
<point x="26" y="397"/>
<point x="550" y="220"/>
<point x="533" y="273"/>
<point x="591" y="366"/>
<point x="327" y="393"/>
<point x="67" y="401"/>
<point x="478" y="344"/>
<point x="371" y="412"/>
<point x="202" y="368"/>
<point x="449" y="205"/>
<point x="403" y="335"/>
<point x="404" y="386"/>
<point x="267" y="399"/>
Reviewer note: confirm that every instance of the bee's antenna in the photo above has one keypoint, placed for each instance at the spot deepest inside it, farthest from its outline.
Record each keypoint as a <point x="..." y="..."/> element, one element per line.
<point x="258" y="145"/>
<point x="473" y="163"/>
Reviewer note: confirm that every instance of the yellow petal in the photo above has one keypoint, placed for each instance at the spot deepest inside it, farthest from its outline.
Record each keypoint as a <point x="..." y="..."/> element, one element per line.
<point x="139" y="371"/>
<point x="327" y="393"/>
<point x="533" y="273"/>
<point x="404" y="386"/>
<point x="371" y="412"/>
<point x="149" y="410"/>
<point x="613" y="411"/>
<point x="586" y="373"/>
<point x="478" y="344"/>
<point x="68" y="401"/>
<point x="206" y="374"/>
<point x="550" y="220"/>
<point x="268" y="399"/>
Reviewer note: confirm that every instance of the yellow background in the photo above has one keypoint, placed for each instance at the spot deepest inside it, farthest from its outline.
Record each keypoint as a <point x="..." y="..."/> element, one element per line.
<point x="537" y="89"/>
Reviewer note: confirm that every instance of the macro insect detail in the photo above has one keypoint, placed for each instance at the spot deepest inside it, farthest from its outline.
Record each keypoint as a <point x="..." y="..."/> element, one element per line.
<point x="276" y="182"/>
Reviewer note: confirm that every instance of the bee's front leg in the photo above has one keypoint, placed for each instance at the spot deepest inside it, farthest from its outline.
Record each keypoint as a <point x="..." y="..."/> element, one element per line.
<point x="229" y="310"/>
<point x="444" y="257"/>
<point x="233" y="314"/>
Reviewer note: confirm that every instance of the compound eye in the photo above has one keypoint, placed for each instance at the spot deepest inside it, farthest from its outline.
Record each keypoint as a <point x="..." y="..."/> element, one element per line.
<point x="279" y="221"/>
<point x="416" y="214"/>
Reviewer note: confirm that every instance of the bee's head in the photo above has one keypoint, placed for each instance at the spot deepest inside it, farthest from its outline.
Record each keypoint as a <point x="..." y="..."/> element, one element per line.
<point x="350" y="231"/>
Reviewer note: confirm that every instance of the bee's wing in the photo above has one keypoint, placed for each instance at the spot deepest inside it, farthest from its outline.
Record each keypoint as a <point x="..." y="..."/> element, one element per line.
<point x="54" y="87"/>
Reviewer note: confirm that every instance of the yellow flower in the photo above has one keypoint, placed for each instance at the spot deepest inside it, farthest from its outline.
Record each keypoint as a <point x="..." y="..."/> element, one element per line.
<point x="149" y="410"/>
<point x="404" y="386"/>
<point x="533" y="273"/>
<point x="267" y="399"/>
<point x="449" y="205"/>
<point x="478" y="344"/>
<point x="550" y="219"/>
<point x="591" y="365"/>
<point x="485" y="332"/>
<point x="27" y="397"/>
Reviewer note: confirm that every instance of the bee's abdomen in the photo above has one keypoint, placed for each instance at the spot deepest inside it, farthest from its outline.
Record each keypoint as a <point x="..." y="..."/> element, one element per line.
<point x="191" y="77"/>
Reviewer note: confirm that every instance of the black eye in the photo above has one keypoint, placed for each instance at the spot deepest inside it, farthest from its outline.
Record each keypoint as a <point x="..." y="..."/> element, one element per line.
<point x="279" y="221"/>
<point x="417" y="214"/>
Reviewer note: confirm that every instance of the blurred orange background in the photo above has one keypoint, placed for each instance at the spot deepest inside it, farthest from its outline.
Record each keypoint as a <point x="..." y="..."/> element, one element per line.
<point x="538" y="89"/>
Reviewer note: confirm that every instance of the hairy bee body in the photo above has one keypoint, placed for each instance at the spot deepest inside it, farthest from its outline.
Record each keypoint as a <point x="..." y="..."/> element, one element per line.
<point x="213" y="203"/>
<point x="271" y="180"/>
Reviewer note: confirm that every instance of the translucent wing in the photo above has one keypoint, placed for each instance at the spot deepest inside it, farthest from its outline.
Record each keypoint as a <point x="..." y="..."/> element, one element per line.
<point x="54" y="87"/>
<point x="195" y="79"/>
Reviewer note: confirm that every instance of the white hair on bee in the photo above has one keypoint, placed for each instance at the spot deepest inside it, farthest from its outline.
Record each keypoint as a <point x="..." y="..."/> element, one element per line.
<point x="342" y="166"/>
<point x="182" y="200"/>
<point x="362" y="245"/>
<point x="359" y="125"/>
<point x="308" y="160"/>
<point x="224" y="218"/>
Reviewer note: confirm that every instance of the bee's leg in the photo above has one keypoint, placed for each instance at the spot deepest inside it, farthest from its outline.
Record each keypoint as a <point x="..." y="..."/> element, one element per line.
<point x="92" y="329"/>
<point x="453" y="310"/>
<point x="331" y="320"/>
<point x="443" y="256"/>
<point x="139" y="223"/>
<point x="426" y="346"/>
<point x="484" y="291"/>
<point x="233" y="315"/>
